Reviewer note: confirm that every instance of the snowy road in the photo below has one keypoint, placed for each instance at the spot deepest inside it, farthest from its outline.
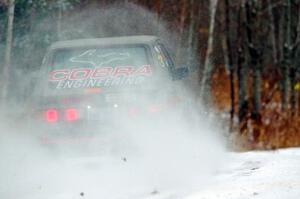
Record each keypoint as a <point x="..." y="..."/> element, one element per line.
<point x="145" y="165"/>
<point x="259" y="175"/>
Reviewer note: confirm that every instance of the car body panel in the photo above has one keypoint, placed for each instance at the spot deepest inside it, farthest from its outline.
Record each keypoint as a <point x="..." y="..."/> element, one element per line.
<point x="103" y="108"/>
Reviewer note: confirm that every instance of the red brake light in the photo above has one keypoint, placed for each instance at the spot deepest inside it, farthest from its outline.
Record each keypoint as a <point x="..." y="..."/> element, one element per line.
<point x="154" y="108"/>
<point x="133" y="111"/>
<point x="51" y="115"/>
<point x="71" y="114"/>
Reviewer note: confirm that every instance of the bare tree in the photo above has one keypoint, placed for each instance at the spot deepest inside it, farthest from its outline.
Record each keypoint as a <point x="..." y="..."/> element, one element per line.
<point x="294" y="48"/>
<point x="9" y="40"/>
<point x="193" y="35"/>
<point x="242" y="69"/>
<point x="182" y="22"/>
<point x="158" y="6"/>
<point x="59" y="21"/>
<point x="255" y="48"/>
<point x="294" y="72"/>
<point x="205" y="81"/>
<point x="272" y="32"/>
<point x="286" y="55"/>
<point x="227" y="50"/>
<point x="191" y="32"/>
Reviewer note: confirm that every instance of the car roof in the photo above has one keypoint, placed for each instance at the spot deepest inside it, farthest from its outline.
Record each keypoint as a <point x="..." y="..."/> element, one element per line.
<point x="143" y="39"/>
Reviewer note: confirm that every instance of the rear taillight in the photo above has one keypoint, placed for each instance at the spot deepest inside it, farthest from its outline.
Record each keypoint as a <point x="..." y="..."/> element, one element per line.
<point x="154" y="108"/>
<point x="71" y="114"/>
<point x="133" y="111"/>
<point x="51" y="115"/>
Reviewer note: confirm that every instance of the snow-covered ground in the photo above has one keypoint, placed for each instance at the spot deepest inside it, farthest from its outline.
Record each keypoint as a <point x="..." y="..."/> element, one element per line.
<point x="259" y="175"/>
<point x="156" y="163"/>
<point x="265" y="175"/>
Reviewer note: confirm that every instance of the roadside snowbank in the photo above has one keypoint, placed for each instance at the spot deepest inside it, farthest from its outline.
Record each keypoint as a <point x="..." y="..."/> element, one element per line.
<point x="259" y="175"/>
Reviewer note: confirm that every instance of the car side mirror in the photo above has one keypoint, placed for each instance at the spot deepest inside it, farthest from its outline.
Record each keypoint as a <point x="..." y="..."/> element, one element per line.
<point x="180" y="73"/>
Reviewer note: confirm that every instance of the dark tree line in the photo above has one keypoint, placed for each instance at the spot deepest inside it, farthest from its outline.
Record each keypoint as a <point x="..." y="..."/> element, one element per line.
<point x="270" y="44"/>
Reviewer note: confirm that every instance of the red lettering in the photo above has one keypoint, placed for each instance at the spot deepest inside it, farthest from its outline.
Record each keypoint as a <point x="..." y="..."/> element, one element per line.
<point x="144" y="70"/>
<point x="58" y="75"/>
<point x="126" y="71"/>
<point x="81" y="73"/>
<point x="102" y="72"/>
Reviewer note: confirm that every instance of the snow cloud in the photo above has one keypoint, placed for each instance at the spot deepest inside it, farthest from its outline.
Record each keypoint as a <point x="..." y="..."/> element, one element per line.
<point x="172" y="152"/>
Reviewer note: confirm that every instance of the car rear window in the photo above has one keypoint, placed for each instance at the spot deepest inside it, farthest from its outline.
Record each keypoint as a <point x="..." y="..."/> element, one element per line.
<point x="103" y="68"/>
<point x="117" y="56"/>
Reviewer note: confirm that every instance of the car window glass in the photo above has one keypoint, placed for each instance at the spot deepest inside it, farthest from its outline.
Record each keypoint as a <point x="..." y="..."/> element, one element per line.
<point x="99" y="57"/>
<point x="160" y="56"/>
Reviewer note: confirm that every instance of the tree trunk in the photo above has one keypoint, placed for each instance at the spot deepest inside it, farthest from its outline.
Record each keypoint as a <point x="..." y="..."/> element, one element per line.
<point x="225" y="53"/>
<point x="256" y="89"/>
<point x="296" y="90"/>
<point x="255" y="52"/>
<point x="272" y="32"/>
<point x="181" y="27"/>
<point x="281" y="50"/>
<point x="228" y="60"/>
<point x="205" y="90"/>
<point x="286" y="56"/>
<point x="59" y="19"/>
<point x="191" y="32"/>
<point x="293" y="69"/>
<point x="293" y="92"/>
<point x="241" y="68"/>
<point x="7" y="58"/>
<point x="195" y="46"/>
<point x="158" y="10"/>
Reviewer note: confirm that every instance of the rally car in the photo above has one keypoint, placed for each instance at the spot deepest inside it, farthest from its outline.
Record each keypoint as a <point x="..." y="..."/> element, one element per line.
<point x="96" y="82"/>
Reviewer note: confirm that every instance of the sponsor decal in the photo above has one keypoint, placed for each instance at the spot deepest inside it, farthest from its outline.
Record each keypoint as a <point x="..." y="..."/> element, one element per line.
<point x="99" y="76"/>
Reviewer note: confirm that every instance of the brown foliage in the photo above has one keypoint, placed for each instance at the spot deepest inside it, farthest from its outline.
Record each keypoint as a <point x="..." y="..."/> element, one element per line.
<point x="273" y="128"/>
